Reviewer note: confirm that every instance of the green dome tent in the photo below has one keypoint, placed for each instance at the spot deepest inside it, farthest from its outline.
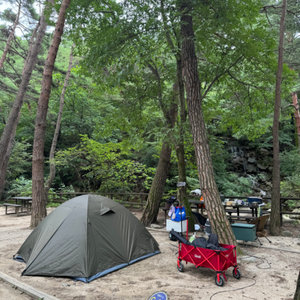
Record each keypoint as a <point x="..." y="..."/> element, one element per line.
<point x="85" y="238"/>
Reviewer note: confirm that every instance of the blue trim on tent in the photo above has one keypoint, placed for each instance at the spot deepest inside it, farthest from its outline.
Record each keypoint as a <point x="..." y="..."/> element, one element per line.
<point x="19" y="258"/>
<point x="145" y="256"/>
<point x="100" y="274"/>
<point x="88" y="279"/>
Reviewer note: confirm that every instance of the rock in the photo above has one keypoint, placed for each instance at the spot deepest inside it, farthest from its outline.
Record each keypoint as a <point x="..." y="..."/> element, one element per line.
<point x="262" y="193"/>
<point x="262" y="167"/>
<point x="251" y="169"/>
<point x="249" y="259"/>
<point x="264" y="151"/>
<point x="155" y="226"/>
<point x="297" y="210"/>
<point x="282" y="245"/>
<point x="286" y="233"/>
<point x="287" y="219"/>
<point x="238" y="160"/>
<point x="251" y="160"/>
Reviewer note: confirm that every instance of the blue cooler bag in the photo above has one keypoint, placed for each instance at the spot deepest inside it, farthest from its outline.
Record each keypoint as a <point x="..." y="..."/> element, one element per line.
<point x="179" y="214"/>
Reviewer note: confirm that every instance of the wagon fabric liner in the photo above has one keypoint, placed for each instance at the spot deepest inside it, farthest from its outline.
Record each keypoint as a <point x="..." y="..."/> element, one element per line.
<point x="218" y="259"/>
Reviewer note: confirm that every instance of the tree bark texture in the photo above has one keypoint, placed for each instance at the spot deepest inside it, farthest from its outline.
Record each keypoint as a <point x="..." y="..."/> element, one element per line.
<point x="157" y="188"/>
<point x="57" y="128"/>
<point x="180" y="150"/>
<point x="10" y="37"/>
<point x="275" y="202"/>
<point x="31" y="44"/>
<point x="5" y="163"/>
<point x="13" y="119"/>
<point x="216" y="213"/>
<point x="297" y="293"/>
<point x="38" y="192"/>
<point x="297" y="117"/>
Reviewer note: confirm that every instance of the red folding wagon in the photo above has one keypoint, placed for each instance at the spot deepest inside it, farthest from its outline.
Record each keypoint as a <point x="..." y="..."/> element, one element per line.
<point x="217" y="260"/>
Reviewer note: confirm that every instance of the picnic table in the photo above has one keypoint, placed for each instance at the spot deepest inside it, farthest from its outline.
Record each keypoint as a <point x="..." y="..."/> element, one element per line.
<point x="198" y="204"/>
<point x="20" y="203"/>
<point x="241" y="212"/>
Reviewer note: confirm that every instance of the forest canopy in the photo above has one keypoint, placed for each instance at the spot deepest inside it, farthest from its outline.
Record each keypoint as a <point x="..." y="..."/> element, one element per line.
<point x="118" y="99"/>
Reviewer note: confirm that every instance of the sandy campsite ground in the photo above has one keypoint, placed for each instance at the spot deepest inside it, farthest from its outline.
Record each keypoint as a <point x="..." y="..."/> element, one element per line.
<point x="268" y="273"/>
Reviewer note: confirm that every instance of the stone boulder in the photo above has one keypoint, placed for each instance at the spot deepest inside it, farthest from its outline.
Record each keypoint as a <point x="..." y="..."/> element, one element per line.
<point x="286" y="233"/>
<point x="251" y="169"/>
<point x="261" y="167"/>
<point x="251" y="160"/>
<point x="297" y="210"/>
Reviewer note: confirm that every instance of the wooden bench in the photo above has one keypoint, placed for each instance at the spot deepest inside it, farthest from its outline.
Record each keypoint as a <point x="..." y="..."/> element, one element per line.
<point x="16" y="206"/>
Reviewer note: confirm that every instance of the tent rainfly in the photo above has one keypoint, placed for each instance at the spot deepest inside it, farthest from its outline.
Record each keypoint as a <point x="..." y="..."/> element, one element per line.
<point x="85" y="238"/>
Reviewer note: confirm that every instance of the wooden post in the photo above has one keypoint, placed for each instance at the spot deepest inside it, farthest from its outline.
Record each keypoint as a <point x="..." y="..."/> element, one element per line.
<point x="280" y="210"/>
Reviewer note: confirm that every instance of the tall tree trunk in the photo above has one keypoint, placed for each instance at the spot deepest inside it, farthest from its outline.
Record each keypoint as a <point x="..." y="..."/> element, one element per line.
<point x="297" y="117"/>
<point x="13" y="119"/>
<point x="11" y="36"/>
<point x="159" y="181"/>
<point x="157" y="188"/>
<point x="213" y="204"/>
<point x="180" y="151"/>
<point x="275" y="202"/>
<point x="31" y="44"/>
<point x="57" y="128"/>
<point x="38" y="192"/>
<point x="6" y="160"/>
<point x="179" y="144"/>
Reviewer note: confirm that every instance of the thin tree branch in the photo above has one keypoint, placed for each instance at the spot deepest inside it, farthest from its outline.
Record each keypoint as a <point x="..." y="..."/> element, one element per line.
<point x="221" y="74"/>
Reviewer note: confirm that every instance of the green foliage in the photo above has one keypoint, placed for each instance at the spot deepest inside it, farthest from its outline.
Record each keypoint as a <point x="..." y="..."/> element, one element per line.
<point x="103" y="167"/>
<point x="290" y="187"/>
<point x="63" y="191"/>
<point x="19" y="161"/>
<point x="21" y="187"/>
<point x="115" y="101"/>
<point x="290" y="162"/>
<point x="290" y="170"/>
<point x="229" y="183"/>
<point x="292" y="204"/>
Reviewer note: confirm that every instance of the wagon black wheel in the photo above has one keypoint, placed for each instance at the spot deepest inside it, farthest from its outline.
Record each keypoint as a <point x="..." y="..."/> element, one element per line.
<point x="238" y="274"/>
<point x="181" y="267"/>
<point x="221" y="281"/>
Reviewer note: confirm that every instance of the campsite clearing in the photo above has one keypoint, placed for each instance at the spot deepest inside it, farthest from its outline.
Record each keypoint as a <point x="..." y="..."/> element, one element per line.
<point x="272" y="278"/>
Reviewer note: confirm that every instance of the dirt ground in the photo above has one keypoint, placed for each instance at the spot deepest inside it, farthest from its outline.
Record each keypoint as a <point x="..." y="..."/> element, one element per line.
<point x="267" y="273"/>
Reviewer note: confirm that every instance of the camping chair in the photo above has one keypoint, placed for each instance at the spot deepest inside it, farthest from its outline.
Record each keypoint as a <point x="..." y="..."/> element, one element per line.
<point x="260" y="223"/>
<point x="199" y="220"/>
